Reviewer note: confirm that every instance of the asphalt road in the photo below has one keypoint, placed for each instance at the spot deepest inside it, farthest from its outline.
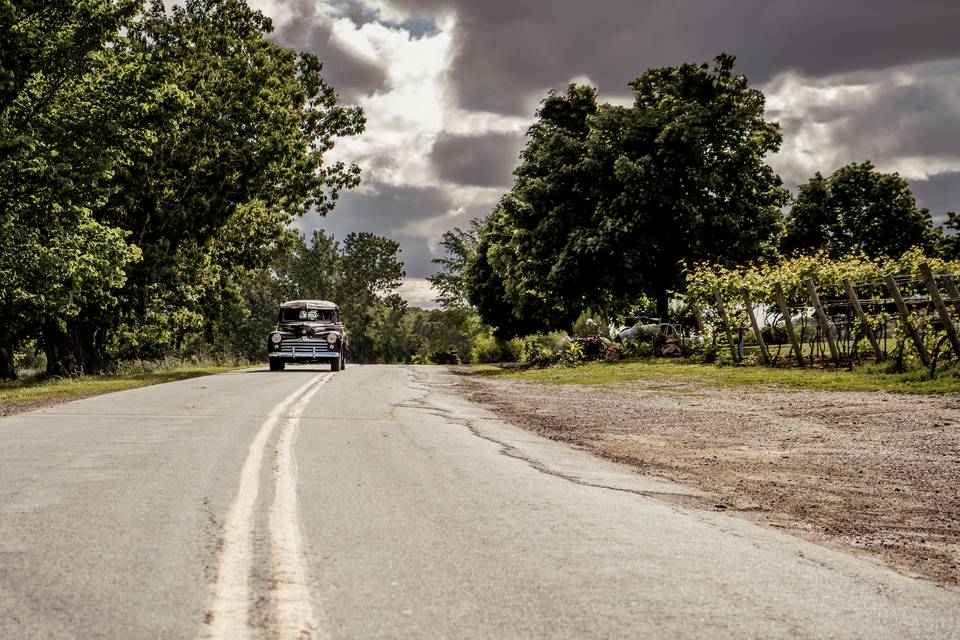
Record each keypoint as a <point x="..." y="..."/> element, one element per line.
<point x="375" y="503"/>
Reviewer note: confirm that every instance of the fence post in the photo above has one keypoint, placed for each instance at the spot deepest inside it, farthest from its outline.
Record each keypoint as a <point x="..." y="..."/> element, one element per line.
<point x="945" y="318"/>
<point x="855" y="302"/>
<point x="822" y="318"/>
<point x="952" y="290"/>
<point x="788" y="321"/>
<point x="756" y="326"/>
<point x="726" y="325"/>
<point x="905" y="319"/>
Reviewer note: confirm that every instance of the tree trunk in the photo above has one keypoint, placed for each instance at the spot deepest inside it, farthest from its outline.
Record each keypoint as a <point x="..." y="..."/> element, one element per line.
<point x="7" y="370"/>
<point x="663" y="305"/>
<point x="72" y="351"/>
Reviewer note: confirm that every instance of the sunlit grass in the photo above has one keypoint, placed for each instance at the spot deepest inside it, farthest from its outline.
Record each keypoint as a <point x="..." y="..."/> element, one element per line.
<point x="37" y="389"/>
<point x="866" y="378"/>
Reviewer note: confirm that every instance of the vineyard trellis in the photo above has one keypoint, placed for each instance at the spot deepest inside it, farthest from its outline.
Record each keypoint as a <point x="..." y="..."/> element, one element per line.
<point x="826" y="310"/>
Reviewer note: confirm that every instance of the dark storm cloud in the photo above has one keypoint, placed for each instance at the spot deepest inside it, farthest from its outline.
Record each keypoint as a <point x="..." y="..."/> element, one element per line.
<point x="941" y="193"/>
<point x="479" y="160"/>
<point x="921" y="119"/>
<point x="350" y="75"/>
<point x="902" y="121"/>
<point x="509" y="49"/>
<point x="386" y="212"/>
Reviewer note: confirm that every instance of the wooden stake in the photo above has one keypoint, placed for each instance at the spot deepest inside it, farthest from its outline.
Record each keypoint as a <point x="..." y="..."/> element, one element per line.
<point x="952" y="290"/>
<point x="726" y="325"/>
<point x="855" y="302"/>
<point x="945" y="318"/>
<point x="788" y="322"/>
<point x="756" y="326"/>
<point x="905" y="319"/>
<point x="822" y="318"/>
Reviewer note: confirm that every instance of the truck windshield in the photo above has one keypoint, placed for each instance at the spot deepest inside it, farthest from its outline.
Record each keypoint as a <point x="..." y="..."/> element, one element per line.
<point x="307" y="315"/>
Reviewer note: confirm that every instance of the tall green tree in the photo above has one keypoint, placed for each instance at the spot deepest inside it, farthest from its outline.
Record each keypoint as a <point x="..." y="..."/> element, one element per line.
<point x="682" y="178"/>
<point x="857" y="209"/>
<point x="532" y="269"/>
<point x="231" y="160"/>
<point x="71" y="101"/>
<point x="610" y="203"/>
<point x="460" y="246"/>
<point x="371" y="274"/>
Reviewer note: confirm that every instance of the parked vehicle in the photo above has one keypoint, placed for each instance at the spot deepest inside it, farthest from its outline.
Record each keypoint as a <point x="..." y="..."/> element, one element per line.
<point x="308" y="331"/>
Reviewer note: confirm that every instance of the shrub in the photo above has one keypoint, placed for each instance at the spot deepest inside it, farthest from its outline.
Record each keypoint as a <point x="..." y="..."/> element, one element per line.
<point x="484" y="348"/>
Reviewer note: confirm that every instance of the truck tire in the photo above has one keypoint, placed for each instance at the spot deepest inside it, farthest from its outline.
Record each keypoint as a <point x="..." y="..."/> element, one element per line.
<point x="276" y="364"/>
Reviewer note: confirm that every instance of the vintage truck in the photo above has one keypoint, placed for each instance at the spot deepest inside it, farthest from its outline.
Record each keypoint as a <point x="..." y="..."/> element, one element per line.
<point x="308" y="331"/>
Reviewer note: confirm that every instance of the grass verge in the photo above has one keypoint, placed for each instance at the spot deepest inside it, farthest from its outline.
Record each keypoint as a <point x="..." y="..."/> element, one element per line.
<point x="866" y="378"/>
<point x="33" y="392"/>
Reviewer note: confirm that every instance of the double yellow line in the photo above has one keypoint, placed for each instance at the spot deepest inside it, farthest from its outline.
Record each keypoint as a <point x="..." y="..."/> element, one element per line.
<point x="292" y="614"/>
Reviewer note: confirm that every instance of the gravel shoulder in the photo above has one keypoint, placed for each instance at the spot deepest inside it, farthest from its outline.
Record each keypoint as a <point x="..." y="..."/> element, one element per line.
<point x="875" y="473"/>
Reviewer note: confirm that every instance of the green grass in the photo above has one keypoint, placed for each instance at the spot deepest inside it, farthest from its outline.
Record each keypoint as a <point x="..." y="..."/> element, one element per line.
<point x="35" y="390"/>
<point x="866" y="378"/>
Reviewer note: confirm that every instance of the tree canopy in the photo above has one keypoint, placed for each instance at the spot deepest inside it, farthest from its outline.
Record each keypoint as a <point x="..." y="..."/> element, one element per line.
<point x="611" y="202"/>
<point x="857" y="210"/>
<point x="149" y="159"/>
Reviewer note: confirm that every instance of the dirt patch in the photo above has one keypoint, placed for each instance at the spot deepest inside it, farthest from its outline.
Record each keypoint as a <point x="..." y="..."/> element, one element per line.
<point x="22" y="406"/>
<point x="875" y="472"/>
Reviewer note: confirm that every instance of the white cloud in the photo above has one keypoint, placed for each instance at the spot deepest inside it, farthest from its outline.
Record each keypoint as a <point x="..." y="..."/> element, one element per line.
<point x="418" y="293"/>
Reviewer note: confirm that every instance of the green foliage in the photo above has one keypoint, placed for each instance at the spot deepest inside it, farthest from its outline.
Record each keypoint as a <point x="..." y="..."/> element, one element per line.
<point x="866" y="275"/>
<point x="682" y="179"/>
<point x="610" y="202"/>
<point x="950" y="238"/>
<point x="460" y="246"/>
<point x="532" y="269"/>
<point x="857" y="210"/>
<point x="150" y="161"/>
<point x="63" y="136"/>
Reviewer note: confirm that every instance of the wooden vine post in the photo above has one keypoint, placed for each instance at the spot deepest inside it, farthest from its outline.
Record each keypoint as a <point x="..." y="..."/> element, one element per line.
<point x="951" y="288"/>
<point x="945" y="318"/>
<point x="726" y="325"/>
<point x="857" y="309"/>
<point x="905" y="319"/>
<point x="822" y="318"/>
<point x="788" y="321"/>
<point x="756" y="326"/>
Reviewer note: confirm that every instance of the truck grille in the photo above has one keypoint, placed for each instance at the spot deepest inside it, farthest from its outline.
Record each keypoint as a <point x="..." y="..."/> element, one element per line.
<point x="304" y="348"/>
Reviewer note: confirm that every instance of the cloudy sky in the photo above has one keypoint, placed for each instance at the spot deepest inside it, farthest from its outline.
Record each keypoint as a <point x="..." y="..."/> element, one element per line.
<point x="450" y="86"/>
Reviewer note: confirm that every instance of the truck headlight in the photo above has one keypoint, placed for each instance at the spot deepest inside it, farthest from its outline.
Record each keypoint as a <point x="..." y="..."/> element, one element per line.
<point x="333" y="338"/>
<point x="275" y="338"/>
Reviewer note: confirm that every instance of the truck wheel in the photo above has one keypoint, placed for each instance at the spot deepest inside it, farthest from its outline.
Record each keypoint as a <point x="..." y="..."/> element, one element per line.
<point x="276" y="364"/>
<point x="335" y="365"/>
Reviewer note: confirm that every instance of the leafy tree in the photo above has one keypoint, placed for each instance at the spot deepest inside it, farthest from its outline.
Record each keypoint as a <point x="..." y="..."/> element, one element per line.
<point x="611" y="202"/>
<point x="857" y="209"/>
<point x="371" y="273"/>
<point x="459" y="245"/>
<point x="232" y="150"/>
<point x="532" y="271"/>
<point x="70" y="102"/>
<point x="950" y="242"/>
<point x="682" y="178"/>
